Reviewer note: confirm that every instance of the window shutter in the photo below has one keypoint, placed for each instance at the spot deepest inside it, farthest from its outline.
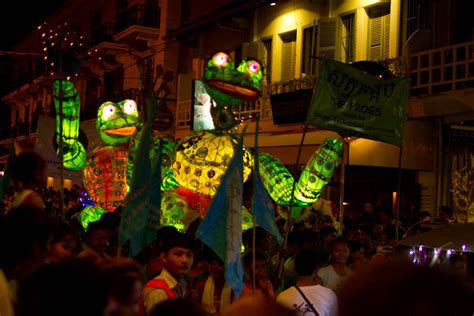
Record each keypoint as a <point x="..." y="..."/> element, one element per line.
<point x="386" y="37"/>
<point x="375" y="38"/>
<point x="326" y="38"/>
<point x="379" y="33"/>
<point x="288" y="55"/>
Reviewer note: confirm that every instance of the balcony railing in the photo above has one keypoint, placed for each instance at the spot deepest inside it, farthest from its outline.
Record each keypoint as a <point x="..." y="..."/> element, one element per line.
<point x="103" y="33"/>
<point x="262" y="106"/>
<point x="25" y="75"/>
<point x="183" y="114"/>
<point x="139" y="14"/>
<point x="442" y="69"/>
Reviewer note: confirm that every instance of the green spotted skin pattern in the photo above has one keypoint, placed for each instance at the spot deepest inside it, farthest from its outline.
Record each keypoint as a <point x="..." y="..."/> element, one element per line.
<point x="228" y="85"/>
<point x="318" y="171"/>
<point x="74" y="153"/>
<point x="316" y="175"/>
<point x="276" y="178"/>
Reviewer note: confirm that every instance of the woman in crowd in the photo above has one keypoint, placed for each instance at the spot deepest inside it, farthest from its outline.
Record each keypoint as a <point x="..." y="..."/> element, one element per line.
<point x="336" y="273"/>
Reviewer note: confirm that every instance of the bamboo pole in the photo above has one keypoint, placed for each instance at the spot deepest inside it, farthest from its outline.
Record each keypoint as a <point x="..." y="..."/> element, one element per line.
<point x="342" y="184"/>
<point x="254" y="279"/>
<point x="397" y="199"/>
<point x="61" y="132"/>
<point x="289" y="223"/>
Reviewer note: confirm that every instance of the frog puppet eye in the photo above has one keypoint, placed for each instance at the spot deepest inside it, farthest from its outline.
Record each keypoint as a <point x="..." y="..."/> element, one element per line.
<point x="221" y="59"/>
<point x="253" y="66"/>
<point x="108" y="111"/>
<point x="130" y="107"/>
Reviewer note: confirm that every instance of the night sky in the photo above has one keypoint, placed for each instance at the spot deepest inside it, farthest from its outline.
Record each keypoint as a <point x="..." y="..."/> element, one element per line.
<point x="18" y="18"/>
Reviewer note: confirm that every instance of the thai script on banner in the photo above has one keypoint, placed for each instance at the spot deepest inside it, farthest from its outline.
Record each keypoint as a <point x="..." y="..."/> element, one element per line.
<point x="353" y="103"/>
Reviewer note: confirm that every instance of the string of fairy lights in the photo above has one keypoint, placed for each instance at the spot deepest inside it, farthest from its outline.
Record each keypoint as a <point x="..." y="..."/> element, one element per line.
<point x="64" y="50"/>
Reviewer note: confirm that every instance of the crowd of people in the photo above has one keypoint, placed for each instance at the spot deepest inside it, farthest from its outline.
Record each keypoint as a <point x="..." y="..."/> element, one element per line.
<point x="51" y="265"/>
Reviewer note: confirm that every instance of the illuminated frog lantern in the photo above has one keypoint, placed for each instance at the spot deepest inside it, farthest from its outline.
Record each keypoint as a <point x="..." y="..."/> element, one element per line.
<point x="108" y="169"/>
<point x="203" y="157"/>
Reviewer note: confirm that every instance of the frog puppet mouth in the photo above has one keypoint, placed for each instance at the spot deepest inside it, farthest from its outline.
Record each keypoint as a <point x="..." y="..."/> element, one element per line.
<point x="244" y="93"/>
<point x="123" y="131"/>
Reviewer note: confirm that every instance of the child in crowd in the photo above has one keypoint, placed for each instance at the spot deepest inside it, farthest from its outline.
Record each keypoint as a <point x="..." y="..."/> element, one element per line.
<point x="155" y="265"/>
<point x="177" y="258"/>
<point x="63" y="245"/>
<point x="97" y="241"/>
<point x="357" y="259"/>
<point x="213" y="292"/>
<point x="262" y="285"/>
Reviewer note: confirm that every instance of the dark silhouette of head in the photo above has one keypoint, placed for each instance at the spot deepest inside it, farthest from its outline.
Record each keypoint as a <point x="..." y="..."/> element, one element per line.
<point x="401" y="288"/>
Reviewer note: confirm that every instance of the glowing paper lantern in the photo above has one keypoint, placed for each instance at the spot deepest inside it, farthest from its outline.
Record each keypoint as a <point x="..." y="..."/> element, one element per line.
<point x="106" y="171"/>
<point x="277" y="179"/>
<point x="319" y="171"/>
<point x="313" y="179"/>
<point x="90" y="214"/>
<point x="74" y="153"/>
<point x="117" y="122"/>
<point x="228" y="85"/>
<point x="105" y="176"/>
<point x="176" y="211"/>
<point x="173" y="208"/>
<point x="202" y="159"/>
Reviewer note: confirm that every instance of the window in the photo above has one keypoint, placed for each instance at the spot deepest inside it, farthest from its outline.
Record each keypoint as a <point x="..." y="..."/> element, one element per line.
<point x="96" y="20"/>
<point x="415" y="16"/>
<point x="347" y="37"/>
<point x="308" y="63"/>
<point x="267" y="59"/>
<point x="96" y="23"/>
<point x="288" y="55"/>
<point x="113" y="83"/>
<point x="379" y="32"/>
<point x="26" y="117"/>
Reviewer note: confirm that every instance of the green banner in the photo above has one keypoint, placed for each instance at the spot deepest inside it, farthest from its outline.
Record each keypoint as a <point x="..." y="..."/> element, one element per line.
<point x="353" y="103"/>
